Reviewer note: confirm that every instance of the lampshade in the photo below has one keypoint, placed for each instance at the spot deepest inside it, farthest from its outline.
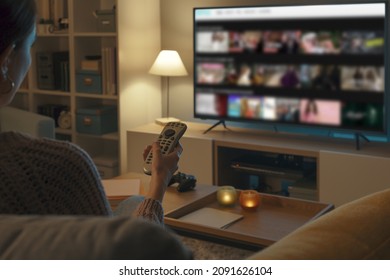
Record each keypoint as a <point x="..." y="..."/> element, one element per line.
<point x="168" y="63"/>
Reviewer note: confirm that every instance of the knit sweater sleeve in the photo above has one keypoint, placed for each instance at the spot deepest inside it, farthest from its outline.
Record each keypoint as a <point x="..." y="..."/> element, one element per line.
<point x="150" y="210"/>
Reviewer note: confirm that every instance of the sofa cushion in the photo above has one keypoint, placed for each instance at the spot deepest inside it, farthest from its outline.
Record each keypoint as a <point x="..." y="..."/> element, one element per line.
<point x="13" y="119"/>
<point x="357" y="230"/>
<point x="74" y="237"/>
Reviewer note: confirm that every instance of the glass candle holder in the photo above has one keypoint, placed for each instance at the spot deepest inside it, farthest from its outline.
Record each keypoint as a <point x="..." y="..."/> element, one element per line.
<point x="226" y="196"/>
<point x="249" y="199"/>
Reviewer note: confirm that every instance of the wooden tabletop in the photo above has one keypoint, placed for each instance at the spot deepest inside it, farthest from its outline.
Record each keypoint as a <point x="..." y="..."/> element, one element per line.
<point x="276" y="217"/>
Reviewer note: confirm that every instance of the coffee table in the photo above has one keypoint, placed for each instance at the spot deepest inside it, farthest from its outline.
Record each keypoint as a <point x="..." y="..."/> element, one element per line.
<point x="276" y="217"/>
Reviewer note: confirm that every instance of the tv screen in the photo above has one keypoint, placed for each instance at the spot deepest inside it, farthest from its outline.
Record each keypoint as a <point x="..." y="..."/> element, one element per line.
<point x="308" y="65"/>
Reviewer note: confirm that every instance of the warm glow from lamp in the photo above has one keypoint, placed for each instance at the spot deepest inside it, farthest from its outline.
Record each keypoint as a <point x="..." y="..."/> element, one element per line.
<point x="249" y="199"/>
<point x="226" y="195"/>
<point x="168" y="64"/>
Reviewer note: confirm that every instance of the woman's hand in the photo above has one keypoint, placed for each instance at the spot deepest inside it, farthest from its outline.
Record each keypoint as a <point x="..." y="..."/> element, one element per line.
<point x="163" y="167"/>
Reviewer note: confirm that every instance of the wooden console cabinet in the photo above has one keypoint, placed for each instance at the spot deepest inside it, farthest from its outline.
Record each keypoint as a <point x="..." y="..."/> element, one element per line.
<point x="342" y="172"/>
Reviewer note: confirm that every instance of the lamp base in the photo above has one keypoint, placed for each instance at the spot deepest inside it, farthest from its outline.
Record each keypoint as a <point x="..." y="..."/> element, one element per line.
<point x="164" y="121"/>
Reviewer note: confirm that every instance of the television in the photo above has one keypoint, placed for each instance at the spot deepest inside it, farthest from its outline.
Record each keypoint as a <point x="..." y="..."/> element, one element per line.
<point x="321" y="65"/>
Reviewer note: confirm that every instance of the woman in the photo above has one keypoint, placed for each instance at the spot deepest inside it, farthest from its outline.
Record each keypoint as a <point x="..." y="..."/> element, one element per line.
<point x="42" y="176"/>
<point x="310" y="114"/>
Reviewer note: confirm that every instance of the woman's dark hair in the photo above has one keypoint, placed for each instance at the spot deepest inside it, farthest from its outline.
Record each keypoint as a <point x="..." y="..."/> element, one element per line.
<point x="17" y="18"/>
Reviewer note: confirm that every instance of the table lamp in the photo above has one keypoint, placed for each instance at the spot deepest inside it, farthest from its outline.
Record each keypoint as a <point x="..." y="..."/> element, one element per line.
<point x="167" y="64"/>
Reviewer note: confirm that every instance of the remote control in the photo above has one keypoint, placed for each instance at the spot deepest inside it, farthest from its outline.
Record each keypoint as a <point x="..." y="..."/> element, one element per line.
<point x="168" y="139"/>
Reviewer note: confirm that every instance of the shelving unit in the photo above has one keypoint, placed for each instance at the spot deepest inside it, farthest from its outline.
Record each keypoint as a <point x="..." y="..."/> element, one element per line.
<point x="80" y="38"/>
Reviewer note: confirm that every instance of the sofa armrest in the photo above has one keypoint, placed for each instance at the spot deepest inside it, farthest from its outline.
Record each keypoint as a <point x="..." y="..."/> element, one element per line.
<point x="86" y="238"/>
<point x="13" y="119"/>
<point x="357" y="230"/>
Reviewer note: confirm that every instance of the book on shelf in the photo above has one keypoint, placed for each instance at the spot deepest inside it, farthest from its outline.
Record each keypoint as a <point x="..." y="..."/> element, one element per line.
<point x="109" y="70"/>
<point x="64" y="81"/>
<point x="61" y="71"/>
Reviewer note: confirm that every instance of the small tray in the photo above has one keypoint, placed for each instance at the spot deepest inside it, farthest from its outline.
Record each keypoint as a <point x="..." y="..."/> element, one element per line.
<point x="276" y="217"/>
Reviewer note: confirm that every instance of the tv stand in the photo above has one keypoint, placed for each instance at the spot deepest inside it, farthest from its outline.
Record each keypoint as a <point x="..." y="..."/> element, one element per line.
<point x="216" y="124"/>
<point x="342" y="173"/>
<point x="359" y="135"/>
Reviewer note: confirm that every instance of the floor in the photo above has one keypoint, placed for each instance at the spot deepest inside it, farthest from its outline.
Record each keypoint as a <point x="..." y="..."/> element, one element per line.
<point x="206" y="250"/>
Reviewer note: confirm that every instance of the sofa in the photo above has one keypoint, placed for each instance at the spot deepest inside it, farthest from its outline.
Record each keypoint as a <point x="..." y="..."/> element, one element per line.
<point x="13" y="119"/>
<point x="86" y="238"/>
<point x="357" y="230"/>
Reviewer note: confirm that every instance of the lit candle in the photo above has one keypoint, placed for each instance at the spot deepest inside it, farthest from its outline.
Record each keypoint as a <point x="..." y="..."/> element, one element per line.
<point x="249" y="199"/>
<point x="226" y="195"/>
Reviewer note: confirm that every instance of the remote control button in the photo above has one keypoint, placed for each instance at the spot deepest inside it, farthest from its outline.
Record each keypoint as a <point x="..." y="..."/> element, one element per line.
<point x="169" y="132"/>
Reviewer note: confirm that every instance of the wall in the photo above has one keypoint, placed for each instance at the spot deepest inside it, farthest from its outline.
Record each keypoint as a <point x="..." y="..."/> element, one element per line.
<point x="177" y="33"/>
<point x="139" y="43"/>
